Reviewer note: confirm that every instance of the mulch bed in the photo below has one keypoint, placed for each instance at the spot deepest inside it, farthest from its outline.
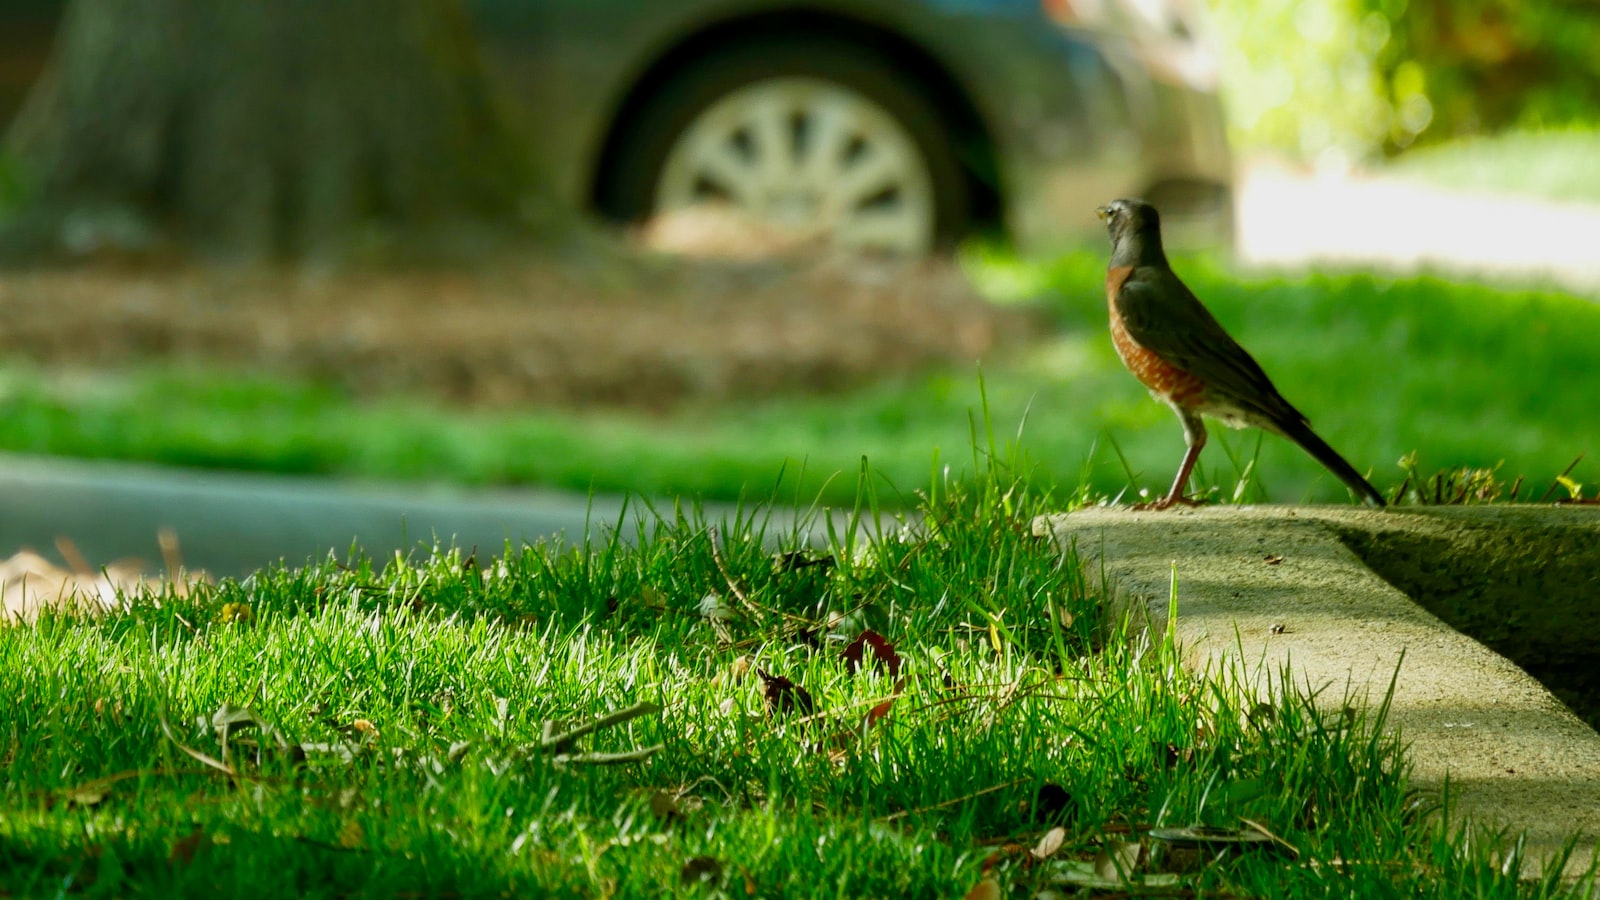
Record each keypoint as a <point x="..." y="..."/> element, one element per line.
<point x="603" y="327"/>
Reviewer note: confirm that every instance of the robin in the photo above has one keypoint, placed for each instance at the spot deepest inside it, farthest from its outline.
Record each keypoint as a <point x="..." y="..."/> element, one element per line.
<point x="1171" y="343"/>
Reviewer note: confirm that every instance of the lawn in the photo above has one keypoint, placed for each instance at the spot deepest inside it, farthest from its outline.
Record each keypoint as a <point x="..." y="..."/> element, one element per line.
<point x="340" y="731"/>
<point x="1554" y="165"/>
<point x="1464" y="375"/>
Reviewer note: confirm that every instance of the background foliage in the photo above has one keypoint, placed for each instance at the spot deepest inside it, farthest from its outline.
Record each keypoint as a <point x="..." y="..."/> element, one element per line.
<point x="1353" y="79"/>
<point x="1486" y="66"/>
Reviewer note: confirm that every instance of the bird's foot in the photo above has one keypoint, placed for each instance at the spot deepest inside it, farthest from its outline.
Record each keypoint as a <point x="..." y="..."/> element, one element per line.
<point x="1167" y="502"/>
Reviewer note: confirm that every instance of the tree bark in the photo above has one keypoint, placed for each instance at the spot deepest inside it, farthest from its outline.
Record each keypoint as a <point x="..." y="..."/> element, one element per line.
<point x="259" y="128"/>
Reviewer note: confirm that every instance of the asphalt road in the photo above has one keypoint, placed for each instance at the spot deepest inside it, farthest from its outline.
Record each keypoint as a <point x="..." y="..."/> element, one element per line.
<point x="233" y="524"/>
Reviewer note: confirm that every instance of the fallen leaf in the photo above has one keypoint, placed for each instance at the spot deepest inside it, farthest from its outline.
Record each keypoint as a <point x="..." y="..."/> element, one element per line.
<point x="882" y="652"/>
<point x="711" y="607"/>
<point x="352" y="835"/>
<point x="665" y="806"/>
<point x="1172" y="755"/>
<point x="1050" y="843"/>
<point x="784" y="696"/>
<point x="986" y="889"/>
<point x="843" y="740"/>
<point x="794" y="560"/>
<point x="229" y="719"/>
<point x="1117" y="860"/>
<point x="1261" y="714"/>
<point x="1279" y="842"/>
<point x="1211" y="837"/>
<point x="878" y="712"/>
<point x="88" y="794"/>
<point x="184" y="848"/>
<point x="345" y="751"/>
<point x="734" y="674"/>
<point x="235" y="614"/>
<point x="700" y="869"/>
<point x="1082" y="874"/>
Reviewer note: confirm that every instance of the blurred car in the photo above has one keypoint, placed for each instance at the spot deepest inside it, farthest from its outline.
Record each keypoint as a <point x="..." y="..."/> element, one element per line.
<point x="894" y="125"/>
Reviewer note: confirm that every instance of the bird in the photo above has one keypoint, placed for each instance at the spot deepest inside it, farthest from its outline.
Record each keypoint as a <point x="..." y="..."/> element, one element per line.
<point x="1177" y="349"/>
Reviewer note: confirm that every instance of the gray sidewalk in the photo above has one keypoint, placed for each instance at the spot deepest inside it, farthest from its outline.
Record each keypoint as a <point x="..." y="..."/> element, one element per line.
<point x="232" y="524"/>
<point x="1295" y="218"/>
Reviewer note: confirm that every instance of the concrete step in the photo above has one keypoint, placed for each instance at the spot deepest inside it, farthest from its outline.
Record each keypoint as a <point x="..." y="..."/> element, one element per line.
<point x="1271" y="587"/>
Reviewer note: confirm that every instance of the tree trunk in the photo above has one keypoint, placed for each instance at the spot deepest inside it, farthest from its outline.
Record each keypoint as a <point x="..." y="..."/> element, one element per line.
<point x="258" y="128"/>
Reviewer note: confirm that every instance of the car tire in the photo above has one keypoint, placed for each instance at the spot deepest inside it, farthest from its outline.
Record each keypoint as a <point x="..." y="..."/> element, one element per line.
<point x="631" y="181"/>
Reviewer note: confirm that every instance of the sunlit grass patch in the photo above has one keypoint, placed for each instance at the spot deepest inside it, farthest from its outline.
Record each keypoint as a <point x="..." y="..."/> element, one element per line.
<point x="903" y="711"/>
<point x="1463" y="375"/>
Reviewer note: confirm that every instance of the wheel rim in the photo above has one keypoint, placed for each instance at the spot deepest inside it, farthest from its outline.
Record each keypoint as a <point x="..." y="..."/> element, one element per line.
<point x="810" y="156"/>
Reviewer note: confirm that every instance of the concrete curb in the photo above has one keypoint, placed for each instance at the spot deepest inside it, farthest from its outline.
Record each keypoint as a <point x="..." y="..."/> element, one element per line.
<point x="1271" y="586"/>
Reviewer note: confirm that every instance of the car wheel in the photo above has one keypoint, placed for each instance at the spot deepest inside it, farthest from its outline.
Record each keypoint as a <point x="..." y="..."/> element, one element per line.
<point x="812" y="135"/>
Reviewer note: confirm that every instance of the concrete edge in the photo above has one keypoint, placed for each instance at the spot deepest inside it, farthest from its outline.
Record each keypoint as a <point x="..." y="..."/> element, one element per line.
<point x="1276" y="589"/>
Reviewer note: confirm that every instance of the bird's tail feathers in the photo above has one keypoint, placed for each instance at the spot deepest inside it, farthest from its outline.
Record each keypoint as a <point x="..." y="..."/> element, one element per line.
<point x="1320" y="451"/>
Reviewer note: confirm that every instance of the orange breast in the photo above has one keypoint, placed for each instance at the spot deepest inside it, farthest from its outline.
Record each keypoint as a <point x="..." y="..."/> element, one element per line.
<point x="1163" y="378"/>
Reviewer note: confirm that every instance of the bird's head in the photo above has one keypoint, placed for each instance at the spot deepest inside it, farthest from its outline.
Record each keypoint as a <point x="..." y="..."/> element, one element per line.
<point x="1128" y="217"/>
<point x="1135" y="229"/>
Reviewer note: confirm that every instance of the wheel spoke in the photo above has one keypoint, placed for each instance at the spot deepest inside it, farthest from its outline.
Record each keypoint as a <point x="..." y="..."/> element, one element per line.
<point x="876" y="168"/>
<point x="810" y="155"/>
<point x="722" y="164"/>
<point x="774" y="143"/>
<point x="828" y="128"/>
<point x="885" y="228"/>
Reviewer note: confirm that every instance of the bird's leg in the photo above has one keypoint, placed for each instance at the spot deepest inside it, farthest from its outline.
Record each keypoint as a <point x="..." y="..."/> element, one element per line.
<point x="1194" y="438"/>
<point x="1176" y="496"/>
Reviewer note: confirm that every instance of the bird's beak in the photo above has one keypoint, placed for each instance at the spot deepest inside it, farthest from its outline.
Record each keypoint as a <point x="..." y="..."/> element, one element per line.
<point x="1102" y="212"/>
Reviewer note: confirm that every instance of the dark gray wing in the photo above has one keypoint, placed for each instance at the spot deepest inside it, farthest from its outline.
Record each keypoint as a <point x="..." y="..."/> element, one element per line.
<point x="1163" y="315"/>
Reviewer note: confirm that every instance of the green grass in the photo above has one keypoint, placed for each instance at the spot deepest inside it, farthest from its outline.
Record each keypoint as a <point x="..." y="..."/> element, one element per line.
<point x="1465" y="375"/>
<point x="1554" y="165"/>
<point x="437" y="682"/>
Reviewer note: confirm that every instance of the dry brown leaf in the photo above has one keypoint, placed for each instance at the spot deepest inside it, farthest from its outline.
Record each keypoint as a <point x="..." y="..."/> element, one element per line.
<point x="184" y="848"/>
<point x="89" y="794"/>
<point x="784" y="696"/>
<point x="881" y="710"/>
<point x="700" y="869"/>
<point x="1050" y="843"/>
<point x="665" y="806"/>
<point x="1117" y="860"/>
<point x="795" y="560"/>
<point x="986" y="889"/>
<point x="235" y="614"/>
<point x="842" y="741"/>
<point x="352" y="835"/>
<point x="365" y="730"/>
<point x="1277" y="841"/>
<point x="29" y="584"/>
<point x="882" y="652"/>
